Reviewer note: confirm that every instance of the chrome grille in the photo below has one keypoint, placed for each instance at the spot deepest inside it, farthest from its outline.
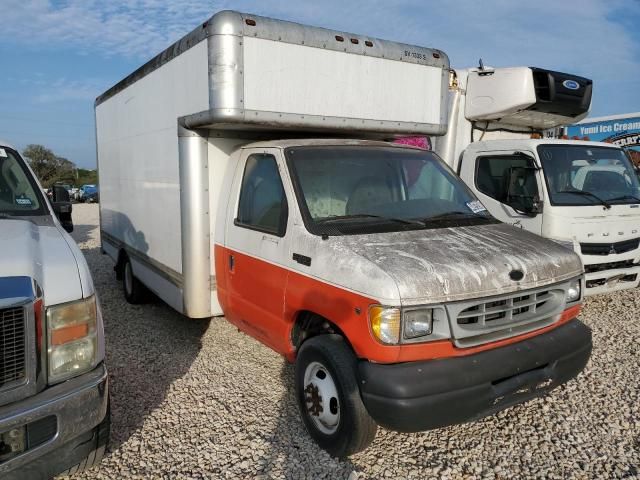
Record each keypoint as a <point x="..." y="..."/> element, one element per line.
<point x="474" y="322"/>
<point x="12" y="346"/>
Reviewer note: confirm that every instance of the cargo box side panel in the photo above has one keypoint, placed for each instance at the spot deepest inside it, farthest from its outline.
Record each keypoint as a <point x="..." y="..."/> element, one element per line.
<point x="296" y="79"/>
<point x="137" y="147"/>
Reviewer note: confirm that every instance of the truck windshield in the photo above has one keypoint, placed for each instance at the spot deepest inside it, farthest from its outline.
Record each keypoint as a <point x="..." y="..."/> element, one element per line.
<point x="355" y="189"/>
<point x="18" y="190"/>
<point x="588" y="175"/>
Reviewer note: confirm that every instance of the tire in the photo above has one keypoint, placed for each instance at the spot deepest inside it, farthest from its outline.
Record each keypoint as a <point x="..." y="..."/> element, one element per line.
<point x="339" y="422"/>
<point x="134" y="290"/>
<point x="103" y="432"/>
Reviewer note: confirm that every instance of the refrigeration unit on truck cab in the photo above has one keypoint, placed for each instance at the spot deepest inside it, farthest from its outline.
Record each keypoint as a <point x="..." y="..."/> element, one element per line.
<point x="259" y="188"/>
<point x="54" y="414"/>
<point x="583" y="195"/>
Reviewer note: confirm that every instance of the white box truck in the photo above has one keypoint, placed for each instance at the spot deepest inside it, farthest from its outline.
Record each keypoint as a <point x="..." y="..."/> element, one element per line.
<point x="584" y="195"/>
<point x="242" y="175"/>
<point x="54" y="395"/>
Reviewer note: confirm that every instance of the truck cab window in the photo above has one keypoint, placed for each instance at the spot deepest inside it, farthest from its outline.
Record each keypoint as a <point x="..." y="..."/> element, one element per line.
<point x="582" y="174"/>
<point x="17" y="190"/>
<point x="263" y="204"/>
<point x="492" y="176"/>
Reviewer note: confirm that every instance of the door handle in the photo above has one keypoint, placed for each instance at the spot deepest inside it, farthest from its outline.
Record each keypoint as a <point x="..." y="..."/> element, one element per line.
<point x="231" y="262"/>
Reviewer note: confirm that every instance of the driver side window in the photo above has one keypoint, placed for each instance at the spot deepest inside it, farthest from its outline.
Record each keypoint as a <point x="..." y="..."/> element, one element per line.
<point x="492" y="177"/>
<point x="263" y="204"/>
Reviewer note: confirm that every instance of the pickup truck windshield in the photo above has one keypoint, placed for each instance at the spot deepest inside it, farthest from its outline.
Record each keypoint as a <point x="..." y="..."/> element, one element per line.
<point x="587" y="175"/>
<point x="18" y="190"/>
<point x="358" y="189"/>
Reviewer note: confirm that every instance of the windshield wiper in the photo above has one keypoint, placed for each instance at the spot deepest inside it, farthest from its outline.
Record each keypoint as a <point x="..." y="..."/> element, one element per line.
<point x="338" y="218"/>
<point x="624" y="197"/>
<point x="604" y="203"/>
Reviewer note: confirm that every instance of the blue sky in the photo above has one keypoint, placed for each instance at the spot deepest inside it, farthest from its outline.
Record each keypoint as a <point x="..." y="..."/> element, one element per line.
<point x="59" y="55"/>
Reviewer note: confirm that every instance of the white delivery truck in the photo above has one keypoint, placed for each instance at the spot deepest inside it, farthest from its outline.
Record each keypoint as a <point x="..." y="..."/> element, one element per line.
<point x="54" y="402"/>
<point x="584" y="195"/>
<point x="240" y="175"/>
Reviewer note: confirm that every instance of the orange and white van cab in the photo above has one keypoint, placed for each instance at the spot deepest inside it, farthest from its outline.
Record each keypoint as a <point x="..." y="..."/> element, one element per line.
<point x="400" y="299"/>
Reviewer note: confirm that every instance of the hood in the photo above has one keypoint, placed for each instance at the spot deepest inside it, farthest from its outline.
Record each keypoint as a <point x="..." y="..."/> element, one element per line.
<point x="41" y="253"/>
<point x="451" y="264"/>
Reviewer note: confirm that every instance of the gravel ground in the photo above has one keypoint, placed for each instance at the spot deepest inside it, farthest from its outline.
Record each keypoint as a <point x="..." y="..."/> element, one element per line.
<point x="198" y="399"/>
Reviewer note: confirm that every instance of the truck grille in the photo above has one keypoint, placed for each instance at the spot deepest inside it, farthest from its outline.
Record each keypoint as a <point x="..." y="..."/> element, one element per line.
<point x="12" y="346"/>
<point x="479" y="321"/>
<point x="508" y="309"/>
<point x="609" y="248"/>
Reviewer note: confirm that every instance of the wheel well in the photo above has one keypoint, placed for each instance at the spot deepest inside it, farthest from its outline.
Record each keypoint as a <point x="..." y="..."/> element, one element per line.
<point x="309" y="324"/>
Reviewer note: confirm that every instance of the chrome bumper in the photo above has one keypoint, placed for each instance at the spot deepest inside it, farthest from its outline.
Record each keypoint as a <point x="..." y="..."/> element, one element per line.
<point x="79" y="405"/>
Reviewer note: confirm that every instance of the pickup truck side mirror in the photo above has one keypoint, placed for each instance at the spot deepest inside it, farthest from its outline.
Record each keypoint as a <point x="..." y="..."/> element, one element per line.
<point x="522" y="191"/>
<point x="62" y="206"/>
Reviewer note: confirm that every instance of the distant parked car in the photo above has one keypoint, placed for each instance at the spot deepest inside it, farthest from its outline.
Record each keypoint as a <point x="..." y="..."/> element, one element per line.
<point x="82" y="191"/>
<point x="91" y="195"/>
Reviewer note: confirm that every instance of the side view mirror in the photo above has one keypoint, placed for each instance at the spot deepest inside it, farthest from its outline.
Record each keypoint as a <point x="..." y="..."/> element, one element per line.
<point x="62" y="206"/>
<point x="522" y="191"/>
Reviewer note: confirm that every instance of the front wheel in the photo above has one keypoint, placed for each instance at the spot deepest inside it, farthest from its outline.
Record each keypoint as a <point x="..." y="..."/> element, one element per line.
<point x="329" y="398"/>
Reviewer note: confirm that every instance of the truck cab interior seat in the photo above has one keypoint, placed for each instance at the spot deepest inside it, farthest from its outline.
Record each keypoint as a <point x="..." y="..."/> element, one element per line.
<point x="367" y="192"/>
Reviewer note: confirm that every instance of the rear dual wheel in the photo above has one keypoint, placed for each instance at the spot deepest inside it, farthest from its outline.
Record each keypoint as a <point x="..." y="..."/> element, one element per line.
<point x="134" y="290"/>
<point x="329" y="398"/>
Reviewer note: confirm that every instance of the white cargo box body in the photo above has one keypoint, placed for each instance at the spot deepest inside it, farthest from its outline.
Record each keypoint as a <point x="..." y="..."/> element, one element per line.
<point x="165" y="132"/>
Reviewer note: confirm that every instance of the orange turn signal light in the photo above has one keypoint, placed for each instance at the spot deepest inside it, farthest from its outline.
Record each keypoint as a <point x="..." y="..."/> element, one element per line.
<point x="63" y="335"/>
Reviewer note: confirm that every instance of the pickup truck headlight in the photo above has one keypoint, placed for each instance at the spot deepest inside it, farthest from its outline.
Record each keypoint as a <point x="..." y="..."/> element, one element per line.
<point x="573" y="292"/>
<point x="72" y="338"/>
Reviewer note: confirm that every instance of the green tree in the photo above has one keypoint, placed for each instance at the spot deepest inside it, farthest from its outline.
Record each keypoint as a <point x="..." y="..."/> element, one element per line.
<point x="84" y="177"/>
<point x="48" y="167"/>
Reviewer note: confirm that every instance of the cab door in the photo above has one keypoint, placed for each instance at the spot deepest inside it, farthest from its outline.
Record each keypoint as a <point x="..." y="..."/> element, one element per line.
<point x="502" y="181"/>
<point x="257" y="247"/>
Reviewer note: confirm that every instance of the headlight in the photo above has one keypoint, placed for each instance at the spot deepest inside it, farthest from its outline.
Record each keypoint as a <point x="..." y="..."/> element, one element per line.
<point x="385" y="324"/>
<point x="573" y="292"/>
<point x="565" y="243"/>
<point x="72" y="338"/>
<point x="417" y="323"/>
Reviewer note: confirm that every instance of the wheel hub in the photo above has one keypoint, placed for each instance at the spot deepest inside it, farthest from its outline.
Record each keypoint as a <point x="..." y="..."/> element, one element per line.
<point x="321" y="398"/>
<point x="313" y="399"/>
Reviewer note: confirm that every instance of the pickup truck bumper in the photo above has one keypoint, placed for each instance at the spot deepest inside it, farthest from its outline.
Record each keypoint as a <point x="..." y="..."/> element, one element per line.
<point x="64" y="424"/>
<point x="417" y="396"/>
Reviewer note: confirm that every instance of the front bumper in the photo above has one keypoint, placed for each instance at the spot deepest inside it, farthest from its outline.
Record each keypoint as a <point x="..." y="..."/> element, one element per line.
<point x="612" y="280"/>
<point x="417" y="396"/>
<point x="60" y="423"/>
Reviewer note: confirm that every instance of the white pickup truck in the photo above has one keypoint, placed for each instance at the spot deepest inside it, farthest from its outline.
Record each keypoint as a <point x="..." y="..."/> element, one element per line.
<point x="54" y="402"/>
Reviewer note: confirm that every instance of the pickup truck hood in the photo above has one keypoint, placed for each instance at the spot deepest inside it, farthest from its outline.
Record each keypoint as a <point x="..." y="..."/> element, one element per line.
<point x="44" y="254"/>
<point x="451" y="264"/>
